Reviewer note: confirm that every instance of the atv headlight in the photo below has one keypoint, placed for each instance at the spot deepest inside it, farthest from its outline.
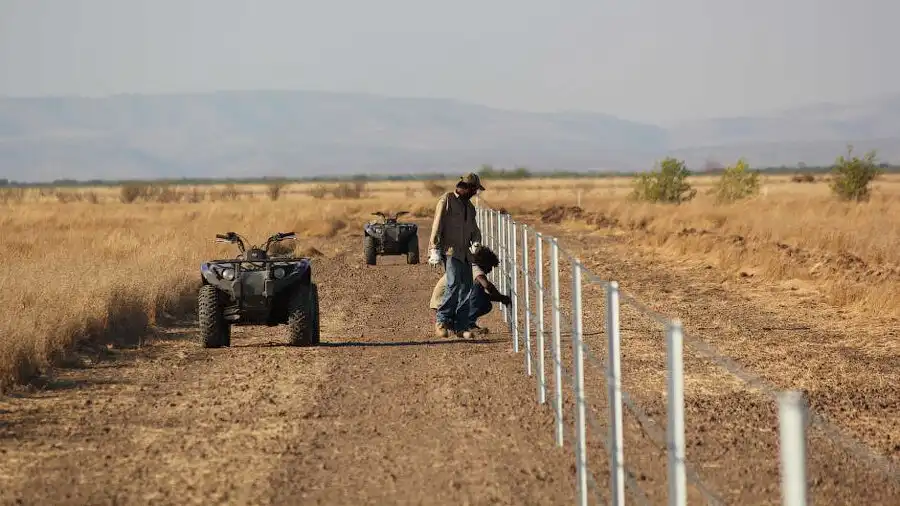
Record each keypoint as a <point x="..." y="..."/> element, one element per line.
<point x="228" y="274"/>
<point x="278" y="272"/>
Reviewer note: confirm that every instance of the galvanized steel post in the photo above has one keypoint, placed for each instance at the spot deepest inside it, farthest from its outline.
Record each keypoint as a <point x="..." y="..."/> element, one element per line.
<point x="580" y="402"/>
<point x="614" y="392"/>
<point x="514" y="272"/>
<point x="792" y="418"/>
<point x="527" y="286"/>
<point x="539" y="282"/>
<point x="675" y="427"/>
<point x="557" y="356"/>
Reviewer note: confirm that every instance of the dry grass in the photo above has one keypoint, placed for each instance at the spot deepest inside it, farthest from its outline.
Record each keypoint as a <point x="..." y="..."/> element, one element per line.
<point x="83" y="272"/>
<point x="790" y="231"/>
<point x="82" y="265"/>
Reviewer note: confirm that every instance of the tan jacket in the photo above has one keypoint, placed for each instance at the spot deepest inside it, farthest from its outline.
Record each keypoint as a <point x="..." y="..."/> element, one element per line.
<point x="437" y="293"/>
<point x="454" y="227"/>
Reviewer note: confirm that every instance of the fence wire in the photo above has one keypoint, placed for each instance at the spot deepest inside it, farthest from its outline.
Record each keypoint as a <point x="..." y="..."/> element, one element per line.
<point x="526" y="318"/>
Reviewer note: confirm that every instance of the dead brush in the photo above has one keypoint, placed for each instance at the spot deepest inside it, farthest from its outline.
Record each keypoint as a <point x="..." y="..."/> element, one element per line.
<point x="354" y="190"/>
<point x="434" y="188"/>
<point x="228" y="193"/>
<point x="65" y="197"/>
<point x="318" y="191"/>
<point x="273" y="190"/>
<point x="132" y="192"/>
<point x="12" y="195"/>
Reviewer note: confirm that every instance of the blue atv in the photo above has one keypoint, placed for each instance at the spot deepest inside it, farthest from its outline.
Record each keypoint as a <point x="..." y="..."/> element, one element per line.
<point x="256" y="288"/>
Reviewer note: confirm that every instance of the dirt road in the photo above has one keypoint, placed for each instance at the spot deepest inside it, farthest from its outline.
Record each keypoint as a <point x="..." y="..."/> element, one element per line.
<point x="381" y="413"/>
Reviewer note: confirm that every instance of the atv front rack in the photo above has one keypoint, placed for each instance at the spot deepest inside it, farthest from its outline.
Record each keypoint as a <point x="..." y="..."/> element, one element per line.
<point x="262" y="261"/>
<point x="237" y="264"/>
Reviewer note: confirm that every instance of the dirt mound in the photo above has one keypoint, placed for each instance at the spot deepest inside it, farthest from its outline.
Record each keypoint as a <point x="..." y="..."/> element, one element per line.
<point x="556" y="214"/>
<point x="820" y="263"/>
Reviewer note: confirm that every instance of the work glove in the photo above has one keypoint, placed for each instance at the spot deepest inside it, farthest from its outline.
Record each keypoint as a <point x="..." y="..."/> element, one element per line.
<point x="506" y="300"/>
<point x="474" y="247"/>
<point x="434" y="257"/>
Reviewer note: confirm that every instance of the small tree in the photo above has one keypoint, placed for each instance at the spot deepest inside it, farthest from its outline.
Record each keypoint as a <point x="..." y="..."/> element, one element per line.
<point x="668" y="184"/>
<point x="852" y="175"/>
<point x="736" y="183"/>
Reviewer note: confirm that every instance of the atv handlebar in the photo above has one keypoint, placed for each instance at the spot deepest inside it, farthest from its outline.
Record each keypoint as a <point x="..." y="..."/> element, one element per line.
<point x="278" y="237"/>
<point x="388" y="217"/>
<point x="234" y="238"/>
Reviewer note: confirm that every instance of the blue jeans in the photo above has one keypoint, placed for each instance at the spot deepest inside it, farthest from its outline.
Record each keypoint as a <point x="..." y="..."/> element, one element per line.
<point x="479" y="304"/>
<point x="454" y="309"/>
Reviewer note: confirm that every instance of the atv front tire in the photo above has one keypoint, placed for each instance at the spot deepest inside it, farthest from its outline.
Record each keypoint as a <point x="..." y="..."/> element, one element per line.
<point x="302" y="316"/>
<point x="215" y="332"/>
<point x="412" y="250"/>
<point x="369" y="250"/>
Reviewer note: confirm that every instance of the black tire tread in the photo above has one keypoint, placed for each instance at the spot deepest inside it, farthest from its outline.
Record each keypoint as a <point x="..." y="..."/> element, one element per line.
<point x="412" y="252"/>
<point x="301" y="317"/>
<point x="369" y="250"/>
<point x="215" y="332"/>
<point x="316" y="314"/>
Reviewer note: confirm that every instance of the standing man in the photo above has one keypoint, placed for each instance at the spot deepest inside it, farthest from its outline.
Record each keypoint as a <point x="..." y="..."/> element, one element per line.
<point x="452" y="233"/>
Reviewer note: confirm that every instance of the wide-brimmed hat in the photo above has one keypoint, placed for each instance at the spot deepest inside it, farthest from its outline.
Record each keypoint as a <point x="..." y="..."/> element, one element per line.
<point x="472" y="179"/>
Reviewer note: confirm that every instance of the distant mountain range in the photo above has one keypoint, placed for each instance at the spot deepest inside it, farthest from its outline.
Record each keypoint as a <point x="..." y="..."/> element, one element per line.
<point x="301" y="133"/>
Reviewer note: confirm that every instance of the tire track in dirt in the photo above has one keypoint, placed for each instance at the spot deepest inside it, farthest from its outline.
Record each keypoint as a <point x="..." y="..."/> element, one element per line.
<point x="411" y="419"/>
<point x="380" y="413"/>
<point x="189" y="426"/>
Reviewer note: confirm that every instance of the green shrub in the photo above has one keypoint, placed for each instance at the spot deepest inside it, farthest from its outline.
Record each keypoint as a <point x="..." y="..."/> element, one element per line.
<point x="852" y="175"/>
<point x="737" y="182"/>
<point x="668" y="184"/>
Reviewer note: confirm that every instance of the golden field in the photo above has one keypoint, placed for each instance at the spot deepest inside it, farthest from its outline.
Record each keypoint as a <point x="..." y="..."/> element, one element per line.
<point x="81" y="265"/>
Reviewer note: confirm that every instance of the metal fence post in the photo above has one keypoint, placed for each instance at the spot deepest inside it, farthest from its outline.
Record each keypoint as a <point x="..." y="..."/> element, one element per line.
<point x="557" y="357"/>
<point x="489" y="226"/>
<point x="792" y="418"/>
<point x="526" y="285"/>
<point x="514" y="282"/>
<point x="675" y="426"/>
<point x="580" y="402"/>
<point x="492" y="231"/>
<point x="502" y="243"/>
<point x="614" y="388"/>
<point x="539" y="281"/>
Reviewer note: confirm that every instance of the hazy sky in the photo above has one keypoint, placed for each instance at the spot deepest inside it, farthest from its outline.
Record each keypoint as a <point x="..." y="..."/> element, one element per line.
<point x="654" y="60"/>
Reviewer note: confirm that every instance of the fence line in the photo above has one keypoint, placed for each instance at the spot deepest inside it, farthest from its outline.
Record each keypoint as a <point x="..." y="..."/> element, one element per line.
<point x="501" y="234"/>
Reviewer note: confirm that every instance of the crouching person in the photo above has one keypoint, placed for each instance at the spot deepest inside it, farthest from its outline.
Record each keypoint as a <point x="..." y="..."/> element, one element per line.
<point x="480" y="296"/>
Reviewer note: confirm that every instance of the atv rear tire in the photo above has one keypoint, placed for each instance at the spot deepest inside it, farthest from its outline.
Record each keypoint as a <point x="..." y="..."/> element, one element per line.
<point x="369" y="250"/>
<point x="412" y="251"/>
<point x="315" y="297"/>
<point x="215" y="332"/>
<point x="302" y="316"/>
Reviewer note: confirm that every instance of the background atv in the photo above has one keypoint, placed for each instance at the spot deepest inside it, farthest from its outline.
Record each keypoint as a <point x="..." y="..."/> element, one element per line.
<point x="390" y="237"/>
<point x="254" y="289"/>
